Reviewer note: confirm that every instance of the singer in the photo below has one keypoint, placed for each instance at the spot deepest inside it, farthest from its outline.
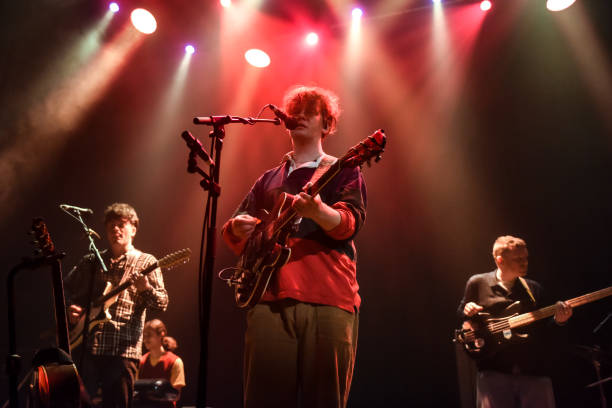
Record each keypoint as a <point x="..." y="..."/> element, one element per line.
<point x="301" y="338"/>
<point x="114" y="346"/>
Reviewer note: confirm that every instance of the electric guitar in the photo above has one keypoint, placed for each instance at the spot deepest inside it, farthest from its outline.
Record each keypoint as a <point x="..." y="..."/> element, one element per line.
<point x="483" y="335"/>
<point x="266" y="251"/>
<point x="99" y="311"/>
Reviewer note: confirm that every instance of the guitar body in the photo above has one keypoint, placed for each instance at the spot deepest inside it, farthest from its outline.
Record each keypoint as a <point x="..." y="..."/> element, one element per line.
<point x="55" y="385"/>
<point x="97" y="315"/>
<point x="481" y="341"/>
<point x="255" y="270"/>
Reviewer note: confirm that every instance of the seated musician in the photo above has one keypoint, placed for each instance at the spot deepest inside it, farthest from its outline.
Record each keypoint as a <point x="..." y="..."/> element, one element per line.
<point x="516" y="374"/>
<point x="160" y="361"/>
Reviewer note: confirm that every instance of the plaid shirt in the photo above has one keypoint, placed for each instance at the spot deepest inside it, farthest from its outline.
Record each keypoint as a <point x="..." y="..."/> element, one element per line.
<point x="120" y="336"/>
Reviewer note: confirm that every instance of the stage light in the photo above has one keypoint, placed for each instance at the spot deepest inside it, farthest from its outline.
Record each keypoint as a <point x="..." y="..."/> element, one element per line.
<point x="226" y="3"/>
<point x="312" y="39"/>
<point x="485" y="5"/>
<point x="257" y="58"/>
<point x="143" y="21"/>
<point x="357" y="13"/>
<point x="114" y="7"/>
<point x="189" y="49"/>
<point x="558" y="5"/>
<point x="436" y="1"/>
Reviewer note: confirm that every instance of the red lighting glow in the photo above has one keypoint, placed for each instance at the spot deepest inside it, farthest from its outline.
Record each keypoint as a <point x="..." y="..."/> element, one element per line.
<point x="312" y="39"/>
<point x="143" y="21"/>
<point x="257" y="58"/>
<point x="485" y="5"/>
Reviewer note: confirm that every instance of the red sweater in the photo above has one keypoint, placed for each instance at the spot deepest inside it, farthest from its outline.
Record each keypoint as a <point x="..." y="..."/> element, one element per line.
<point x="322" y="266"/>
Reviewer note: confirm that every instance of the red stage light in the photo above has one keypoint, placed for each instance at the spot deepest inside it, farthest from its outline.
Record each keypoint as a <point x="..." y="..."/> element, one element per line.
<point x="114" y="7"/>
<point x="226" y="3"/>
<point x="485" y="5"/>
<point x="143" y="21"/>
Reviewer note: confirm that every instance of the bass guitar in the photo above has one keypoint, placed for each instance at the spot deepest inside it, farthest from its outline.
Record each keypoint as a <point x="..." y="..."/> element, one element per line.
<point x="266" y="251"/>
<point x="99" y="311"/>
<point x="484" y="335"/>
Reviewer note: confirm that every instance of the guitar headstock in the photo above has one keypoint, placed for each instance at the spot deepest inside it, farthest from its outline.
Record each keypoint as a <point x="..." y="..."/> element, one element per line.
<point x="42" y="239"/>
<point x="369" y="148"/>
<point x="175" y="258"/>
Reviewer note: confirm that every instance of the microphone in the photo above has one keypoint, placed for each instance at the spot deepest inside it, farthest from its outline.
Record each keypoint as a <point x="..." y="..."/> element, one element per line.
<point x="67" y="207"/>
<point x="196" y="147"/>
<point x="290" y="123"/>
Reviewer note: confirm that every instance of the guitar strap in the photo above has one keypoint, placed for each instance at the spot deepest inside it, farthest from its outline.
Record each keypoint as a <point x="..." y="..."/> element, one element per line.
<point x="326" y="162"/>
<point x="524" y="283"/>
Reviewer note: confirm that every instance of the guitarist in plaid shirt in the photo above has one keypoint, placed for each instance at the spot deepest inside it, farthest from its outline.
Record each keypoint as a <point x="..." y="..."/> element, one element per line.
<point x="114" y="347"/>
<point x="301" y="338"/>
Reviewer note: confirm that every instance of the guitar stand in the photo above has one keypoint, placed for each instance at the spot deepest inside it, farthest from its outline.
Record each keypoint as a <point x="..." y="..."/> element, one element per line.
<point x="13" y="360"/>
<point x="210" y="183"/>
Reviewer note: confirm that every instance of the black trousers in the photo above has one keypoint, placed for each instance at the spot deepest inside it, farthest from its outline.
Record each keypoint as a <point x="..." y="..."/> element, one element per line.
<point x="115" y="376"/>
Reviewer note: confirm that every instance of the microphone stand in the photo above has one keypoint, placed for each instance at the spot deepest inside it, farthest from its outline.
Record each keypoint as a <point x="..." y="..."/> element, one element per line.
<point x="96" y="253"/>
<point x="210" y="183"/>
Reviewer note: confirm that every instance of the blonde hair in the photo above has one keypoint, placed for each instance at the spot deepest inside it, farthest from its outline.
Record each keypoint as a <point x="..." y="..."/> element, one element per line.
<point x="507" y="243"/>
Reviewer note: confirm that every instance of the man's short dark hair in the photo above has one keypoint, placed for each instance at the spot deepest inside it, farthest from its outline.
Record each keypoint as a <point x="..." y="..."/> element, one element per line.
<point x="121" y="210"/>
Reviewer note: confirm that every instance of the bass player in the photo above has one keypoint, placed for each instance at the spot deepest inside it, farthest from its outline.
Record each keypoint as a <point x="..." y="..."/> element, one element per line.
<point x="516" y="374"/>
<point x="114" y="346"/>
<point x="301" y="337"/>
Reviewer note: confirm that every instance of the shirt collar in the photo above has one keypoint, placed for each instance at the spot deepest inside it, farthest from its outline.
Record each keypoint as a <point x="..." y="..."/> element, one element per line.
<point x="310" y="164"/>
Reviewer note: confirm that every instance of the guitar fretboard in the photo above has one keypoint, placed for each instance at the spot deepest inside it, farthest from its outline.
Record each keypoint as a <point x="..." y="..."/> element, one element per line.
<point x="527" y="318"/>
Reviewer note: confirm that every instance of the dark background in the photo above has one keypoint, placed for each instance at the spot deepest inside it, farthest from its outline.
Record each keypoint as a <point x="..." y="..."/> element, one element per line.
<point x="501" y="127"/>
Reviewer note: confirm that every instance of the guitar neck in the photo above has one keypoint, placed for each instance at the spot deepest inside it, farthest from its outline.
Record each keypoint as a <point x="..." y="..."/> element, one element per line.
<point x="124" y="285"/>
<point x="528" y="318"/>
<point x="63" y="339"/>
